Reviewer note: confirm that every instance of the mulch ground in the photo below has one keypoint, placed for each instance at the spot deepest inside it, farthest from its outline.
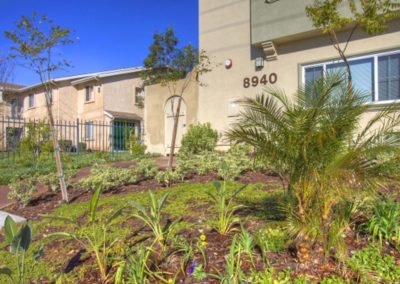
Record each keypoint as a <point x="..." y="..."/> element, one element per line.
<point x="218" y="245"/>
<point x="44" y="202"/>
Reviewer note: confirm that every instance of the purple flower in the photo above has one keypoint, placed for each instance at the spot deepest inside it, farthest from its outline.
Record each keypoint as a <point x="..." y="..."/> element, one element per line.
<point x="192" y="267"/>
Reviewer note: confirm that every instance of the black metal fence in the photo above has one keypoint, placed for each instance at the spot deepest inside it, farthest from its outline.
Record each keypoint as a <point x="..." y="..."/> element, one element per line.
<point x="73" y="136"/>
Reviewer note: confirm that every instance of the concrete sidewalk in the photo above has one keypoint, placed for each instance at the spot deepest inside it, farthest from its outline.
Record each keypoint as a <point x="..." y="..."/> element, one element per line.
<point x="17" y="219"/>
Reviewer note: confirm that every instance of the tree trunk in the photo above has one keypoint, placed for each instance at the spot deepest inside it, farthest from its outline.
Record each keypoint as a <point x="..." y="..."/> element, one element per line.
<point x="174" y="133"/>
<point x="56" y="147"/>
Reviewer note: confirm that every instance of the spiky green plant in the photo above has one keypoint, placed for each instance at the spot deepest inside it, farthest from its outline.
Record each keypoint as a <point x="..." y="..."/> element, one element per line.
<point x="152" y="218"/>
<point x="314" y="140"/>
<point x="95" y="238"/>
<point x="384" y="224"/>
<point x="19" y="241"/>
<point x="223" y="199"/>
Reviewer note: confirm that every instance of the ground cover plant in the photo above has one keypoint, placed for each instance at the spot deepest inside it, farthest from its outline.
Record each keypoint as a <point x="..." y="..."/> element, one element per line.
<point x="258" y="251"/>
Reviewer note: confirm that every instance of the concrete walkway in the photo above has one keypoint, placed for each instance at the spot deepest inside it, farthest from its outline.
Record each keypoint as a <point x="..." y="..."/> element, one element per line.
<point x="17" y="219"/>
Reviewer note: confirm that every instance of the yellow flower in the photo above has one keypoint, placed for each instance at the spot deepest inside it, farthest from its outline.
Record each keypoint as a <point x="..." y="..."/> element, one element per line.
<point x="203" y="243"/>
<point x="203" y="237"/>
<point x="170" y="281"/>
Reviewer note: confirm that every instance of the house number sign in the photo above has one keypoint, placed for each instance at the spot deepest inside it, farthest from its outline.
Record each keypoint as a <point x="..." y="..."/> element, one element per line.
<point x="263" y="80"/>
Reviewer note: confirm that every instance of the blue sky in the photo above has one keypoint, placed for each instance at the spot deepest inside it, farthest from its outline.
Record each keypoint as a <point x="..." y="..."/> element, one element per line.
<point x="112" y="33"/>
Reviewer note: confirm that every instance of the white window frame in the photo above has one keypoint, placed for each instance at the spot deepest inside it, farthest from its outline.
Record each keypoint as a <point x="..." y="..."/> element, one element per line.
<point x="375" y="57"/>
<point x="89" y="126"/>
<point x="91" y="93"/>
<point x="31" y="96"/>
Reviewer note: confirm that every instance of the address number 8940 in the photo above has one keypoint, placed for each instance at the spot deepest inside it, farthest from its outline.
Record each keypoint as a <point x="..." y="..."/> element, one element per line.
<point x="264" y="80"/>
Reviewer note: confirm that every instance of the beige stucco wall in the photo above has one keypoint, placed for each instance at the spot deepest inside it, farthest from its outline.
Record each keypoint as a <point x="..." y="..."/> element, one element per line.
<point x="119" y="93"/>
<point x="156" y="97"/>
<point x="225" y="33"/>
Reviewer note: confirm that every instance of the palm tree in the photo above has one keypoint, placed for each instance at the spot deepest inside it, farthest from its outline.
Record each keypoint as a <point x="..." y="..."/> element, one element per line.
<point x="314" y="141"/>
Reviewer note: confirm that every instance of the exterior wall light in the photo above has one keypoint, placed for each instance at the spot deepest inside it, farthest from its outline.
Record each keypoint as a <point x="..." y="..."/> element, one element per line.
<point x="259" y="62"/>
<point x="228" y="63"/>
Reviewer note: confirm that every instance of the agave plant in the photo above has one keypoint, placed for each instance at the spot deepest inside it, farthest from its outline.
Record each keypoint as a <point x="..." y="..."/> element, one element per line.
<point x="19" y="241"/>
<point x="223" y="199"/>
<point x="95" y="239"/>
<point x="314" y="140"/>
<point x="152" y="218"/>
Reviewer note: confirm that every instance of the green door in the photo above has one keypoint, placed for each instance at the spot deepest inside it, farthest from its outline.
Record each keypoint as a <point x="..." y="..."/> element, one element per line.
<point x="121" y="132"/>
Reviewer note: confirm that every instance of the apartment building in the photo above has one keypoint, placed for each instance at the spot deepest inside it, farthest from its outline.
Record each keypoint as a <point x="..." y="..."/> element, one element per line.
<point x="258" y="44"/>
<point x="88" y="102"/>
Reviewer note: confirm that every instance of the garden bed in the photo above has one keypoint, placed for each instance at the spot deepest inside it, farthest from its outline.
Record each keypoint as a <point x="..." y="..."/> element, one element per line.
<point x="188" y="201"/>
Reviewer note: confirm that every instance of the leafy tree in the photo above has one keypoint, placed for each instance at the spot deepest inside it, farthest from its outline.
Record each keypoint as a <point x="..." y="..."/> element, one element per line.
<point x="315" y="142"/>
<point x="372" y="16"/>
<point x="173" y="67"/>
<point x="36" y="40"/>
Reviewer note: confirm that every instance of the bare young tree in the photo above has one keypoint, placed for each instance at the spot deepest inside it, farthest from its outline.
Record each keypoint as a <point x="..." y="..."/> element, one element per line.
<point x="174" y="68"/>
<point x="36" y="42"/>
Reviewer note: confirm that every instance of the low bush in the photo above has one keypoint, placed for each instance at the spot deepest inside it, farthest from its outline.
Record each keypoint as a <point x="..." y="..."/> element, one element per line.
<point x="167" y="177"/>
<point x="107" y="177"/>
<point x="237" y="160"/>
<point x="146" y="169"/>
<point x="22" y="189"/>
<point x="208" y="162"/>
<point x="372" y="267"/>
<point x="52" y="181"/>
<point x="271" y="240"/>
<point x="186" y="164"/>
<point x="199" y="138"/>
<point x="136" y="148"/>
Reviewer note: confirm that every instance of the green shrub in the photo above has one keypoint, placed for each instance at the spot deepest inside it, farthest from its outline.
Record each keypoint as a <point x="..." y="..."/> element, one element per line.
<point x="199" y="138"/>
<point x="167" y="177"/>
<point x="22" y="189"/>
<point x="208" y="162"/>
<point x="237" y="160"/>
<point x="107" y="177"/>
<point x="136" y="148"/>
<point x="52" y="181"/>
<point x="385" y="221"/>
<point x="185" y="164"/>
<point x="37" y="141"/>
<point x="65" y="145"/>
<point x="373" y="268"/>
<point x="146" y="169"/>
<point x="270" y="240"/>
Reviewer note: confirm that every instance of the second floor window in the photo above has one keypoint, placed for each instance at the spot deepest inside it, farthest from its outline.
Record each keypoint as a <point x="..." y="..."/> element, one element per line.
<point x="139" y="97"/>
<point x="16" y="108"/>
<point x="31" y="100"/>
<point x="88" y="93"/>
